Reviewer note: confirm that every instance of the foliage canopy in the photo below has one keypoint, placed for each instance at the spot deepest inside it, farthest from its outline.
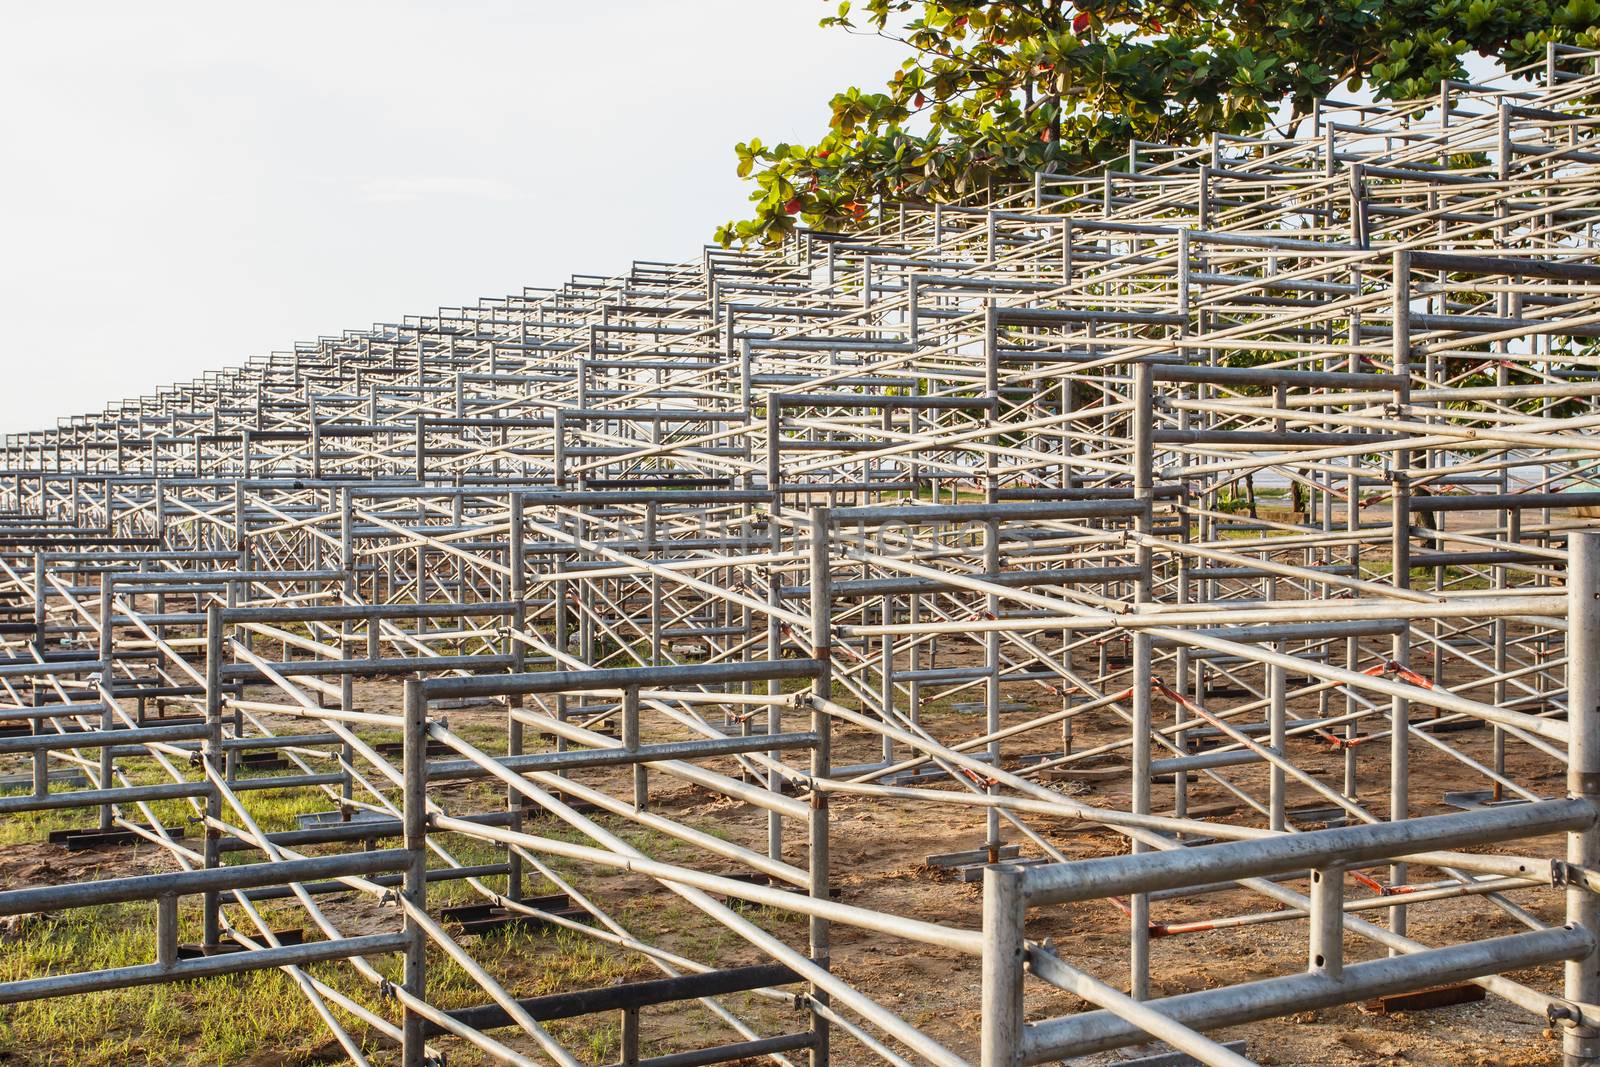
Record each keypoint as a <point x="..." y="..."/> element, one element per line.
<point x="996" y="89"/>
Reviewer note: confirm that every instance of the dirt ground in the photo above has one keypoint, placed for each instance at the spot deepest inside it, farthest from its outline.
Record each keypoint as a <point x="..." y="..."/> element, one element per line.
<point x="879" y="860"/>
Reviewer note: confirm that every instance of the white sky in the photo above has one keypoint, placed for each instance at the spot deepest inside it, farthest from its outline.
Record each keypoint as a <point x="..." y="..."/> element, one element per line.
<point x="184" y="185"/>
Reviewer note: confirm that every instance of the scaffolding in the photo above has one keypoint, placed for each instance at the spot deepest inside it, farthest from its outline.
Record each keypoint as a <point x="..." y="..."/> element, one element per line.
<point x="1191" y="501"/>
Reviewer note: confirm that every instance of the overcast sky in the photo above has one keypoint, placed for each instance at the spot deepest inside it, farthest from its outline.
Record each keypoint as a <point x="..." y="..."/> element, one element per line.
<point x="185" y="185"/>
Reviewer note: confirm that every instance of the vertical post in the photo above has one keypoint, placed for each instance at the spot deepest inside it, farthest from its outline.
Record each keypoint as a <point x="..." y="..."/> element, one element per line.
<point x="1277" y="716"/>
<point x="563" y="608"/>
<point x="211" y="760"/>
<point x="774" y="575"/>
<point x="991" y="562"/>
<point x="1581" y="1044"/>
<point x="1358" y="200"/>
<point x="347" y="682"/>
<point x="241" y="527"/>
<point x="107" y="720"/>
<point x="774" y="451"/>
<point x="419" y="456"/>
<point x="1183" y="278"/>
<point x="167" y="930"/>
<point x="630" y="1038"/>
<point x="517" y="557"/>
<point x="316" y="439"/>
<point x="41" y="756"/>
<point x="821" y="757"/>
<point x="414" y="812"/>
<point x="1352" y="514"/>
<point x="1143" y="491"/>
<point x="656" y="623"/>
<point x="1327" y="921"/>
<point x="630" y="741"/>
<point x="1400" y="575"/>
<point x="886" y="668"/>
<point x="558" y="456"/>
<point x="1510" y="532"/>
<point x="1004" y="912"/>
<point x="38" y="601"/>
<point x="991" y="680"/>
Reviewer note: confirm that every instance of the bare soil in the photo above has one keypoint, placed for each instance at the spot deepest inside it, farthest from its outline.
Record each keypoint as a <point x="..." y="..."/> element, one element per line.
<point x="879" y="854"/>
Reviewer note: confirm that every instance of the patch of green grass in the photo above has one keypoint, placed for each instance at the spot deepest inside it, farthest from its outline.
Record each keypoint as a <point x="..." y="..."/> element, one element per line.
<point x="217" y="1021"/>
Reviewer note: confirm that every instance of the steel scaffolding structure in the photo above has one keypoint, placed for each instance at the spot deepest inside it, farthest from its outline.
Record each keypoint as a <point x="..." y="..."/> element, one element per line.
<point x="1203" y="501"/>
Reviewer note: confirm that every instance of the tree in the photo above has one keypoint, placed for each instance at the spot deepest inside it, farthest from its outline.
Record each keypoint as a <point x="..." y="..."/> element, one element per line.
<point x="996" y="89"/>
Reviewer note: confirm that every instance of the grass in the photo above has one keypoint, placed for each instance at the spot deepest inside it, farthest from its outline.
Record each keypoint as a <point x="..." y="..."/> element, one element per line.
<point x="261" y="1018"/>
<point x="217" y="1021"/>
<point x="236" y="1019"/>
